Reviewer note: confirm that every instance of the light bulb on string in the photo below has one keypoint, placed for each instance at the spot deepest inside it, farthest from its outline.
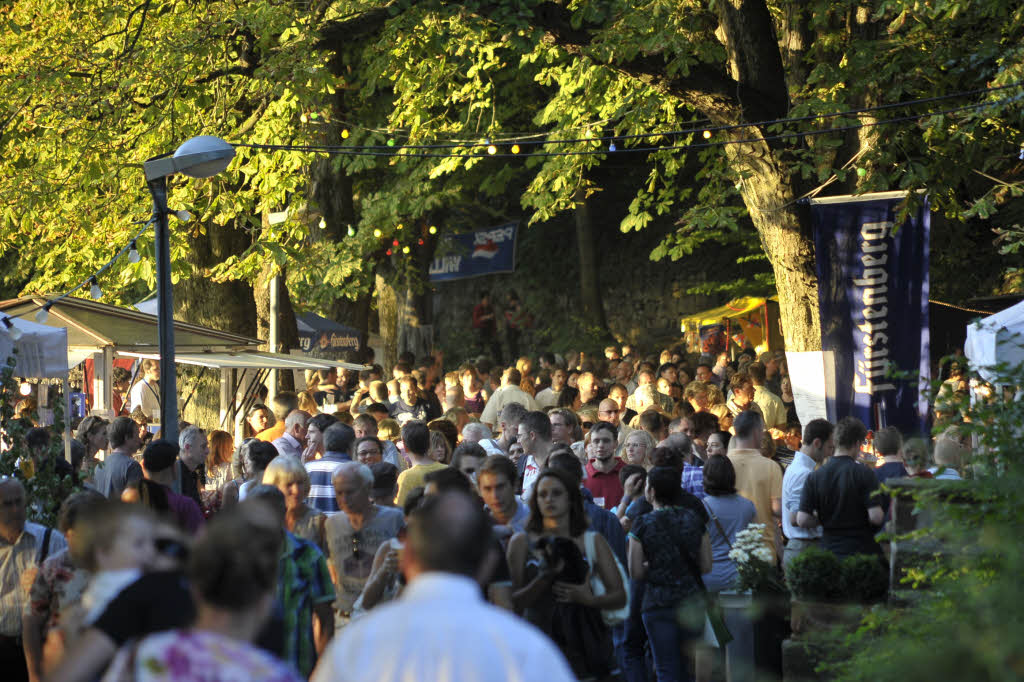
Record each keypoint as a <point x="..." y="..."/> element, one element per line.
<point x="304" y="118"/>
<point x="405" y="249"/>
<point x="491" y="149"/>
<point x="344" y="133"/>
<point x="400" y="226"/>
<point x="351" y="231"/>
<point x="707" y="134"/>
<point x="94" y="288"/>
<point x="391" y="142"/>
<point x="323" y="224"/>
<point x="377" y="233"/>
<point x="432" y="230"/>
<point x="420" y="241"/>
<point x="612" y="147"/>
<point x="394" y="242"/>
<point x="25" y="388"/>
<point x="133" y="254"/>
<point x="515" y="149"/>
<point x="43" y="313"/>
<point x="13" y="331"/>
<point x="388" y="252"/>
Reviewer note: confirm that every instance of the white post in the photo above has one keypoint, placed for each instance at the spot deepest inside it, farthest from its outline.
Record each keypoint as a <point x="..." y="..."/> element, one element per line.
<point x="272" y="341"/>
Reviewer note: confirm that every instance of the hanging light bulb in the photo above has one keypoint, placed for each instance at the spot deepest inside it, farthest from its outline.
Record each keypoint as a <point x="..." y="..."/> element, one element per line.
<point x="391" y="142"/>
<point x="515" y="149"/>
<point x="707" y="134"/>
<point x="388" y="252"/>
<point x="133" y="254"/>
<point x="351" y="232"/>
<point x="492" y="150"/>
<point x="94" y="287"/>
<point x="612" y="147"/>
<point x="420" y="241"/>
<point x="400" y="226"/>
<point x="377" y="233"/>
<point x="13" y="331"/>
<point x="25" y="388"/>
<point x="405" y="249"/>
<point x="303" y="118"/>
<point x="432" y="230"/>
<point x="394" y="242"/>
<point x="43" y="313"/>
<point x="323" y="224"/>
<point x="344" y="133"/>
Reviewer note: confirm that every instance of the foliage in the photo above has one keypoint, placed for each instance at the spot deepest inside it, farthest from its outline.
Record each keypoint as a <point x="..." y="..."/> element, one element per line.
<point x="965" y="618"/>
<point x="864" y="579"/>
<point x="44" y="490"/>
<point x="814" y="575"/>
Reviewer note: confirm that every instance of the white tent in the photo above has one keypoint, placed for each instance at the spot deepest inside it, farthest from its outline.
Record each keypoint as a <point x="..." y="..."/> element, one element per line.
<point x="42" y="350"/>
<point x="996" y="339"/>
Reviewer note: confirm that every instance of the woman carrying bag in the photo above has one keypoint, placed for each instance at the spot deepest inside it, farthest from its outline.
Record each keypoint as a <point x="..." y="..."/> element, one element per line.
<point x="669" y="548"/>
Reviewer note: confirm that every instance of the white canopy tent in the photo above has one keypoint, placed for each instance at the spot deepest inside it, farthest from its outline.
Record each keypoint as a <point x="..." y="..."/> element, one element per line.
<point x="42" y="353"/>
<point x="995" y="340"/>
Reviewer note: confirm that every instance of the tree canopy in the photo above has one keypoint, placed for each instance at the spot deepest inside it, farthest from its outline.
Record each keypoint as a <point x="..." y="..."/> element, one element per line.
<point x="398" y="100"/>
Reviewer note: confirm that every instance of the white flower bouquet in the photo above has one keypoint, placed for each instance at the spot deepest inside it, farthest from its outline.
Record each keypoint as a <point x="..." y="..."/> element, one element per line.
<point x="755" y="561"/>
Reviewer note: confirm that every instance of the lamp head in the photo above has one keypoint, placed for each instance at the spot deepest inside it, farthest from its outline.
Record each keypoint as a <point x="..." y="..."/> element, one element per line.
<point x="204" y="156"/>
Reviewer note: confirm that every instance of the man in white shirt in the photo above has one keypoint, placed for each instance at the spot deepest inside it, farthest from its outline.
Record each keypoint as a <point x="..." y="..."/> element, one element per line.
<point x="535" y="437"/>
<point x="818" y="445"/>
<point x="508" y="393"/>
<point x="145" y="394"/>
<point x="441" y="628"/>
<point x="293" y="440"/>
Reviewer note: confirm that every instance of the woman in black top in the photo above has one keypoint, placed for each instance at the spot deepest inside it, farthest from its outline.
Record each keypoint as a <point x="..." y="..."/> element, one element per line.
<point x="667" y="547"/>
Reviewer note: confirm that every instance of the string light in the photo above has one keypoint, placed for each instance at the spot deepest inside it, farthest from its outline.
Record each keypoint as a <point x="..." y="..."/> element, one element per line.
<point x="323" y="224"/>
<point x="351" y="232"/>
<point x="394" y="243"/>
<point x="391" y="142"/>
<point x="707" y="134"/>
<point x="492" y="150"/>
<point x="400" y="226"/>
<point x="420" y="241"/>
<point x="377" y="233"/>
<point x="405" y="249"/>
<point x="13" y="331"/>
<point x="133" y="254"/>
<point x="432" y="230"/>
<point x="94" y="287"/>
<point x="612" y="147"/>
<point x="304" y="118"/>
<point x="344" y="133"/>
<point x="388" y="252"/>
<point x="515" y="149"/>
<point x="43" y="313"/>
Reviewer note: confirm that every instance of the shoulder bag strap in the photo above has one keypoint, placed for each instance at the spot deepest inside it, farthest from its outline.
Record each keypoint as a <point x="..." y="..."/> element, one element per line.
<point x="44" y="551"/>
<point x="718" y="525"/>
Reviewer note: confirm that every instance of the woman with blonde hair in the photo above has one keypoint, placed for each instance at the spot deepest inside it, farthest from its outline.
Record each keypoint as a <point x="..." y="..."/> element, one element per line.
<point x="637" y="449"/>
<point x="218" y="461"/>
<point x="307" y="404"/>
<point x="289" y="476"/>
<point x="440" y="449"/>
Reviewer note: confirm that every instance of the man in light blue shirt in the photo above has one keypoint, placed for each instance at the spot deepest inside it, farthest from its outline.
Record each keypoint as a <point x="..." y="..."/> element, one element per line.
<point x="818" y="445"/>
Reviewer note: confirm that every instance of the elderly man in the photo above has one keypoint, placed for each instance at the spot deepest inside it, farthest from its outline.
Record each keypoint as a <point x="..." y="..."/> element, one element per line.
<point x="475" y="432"/>
<point x="442" y="628"/>
<point x="192" y="451"/>
<point x="338" y="440"/>
<point x="23" y="546"/>
<point x="293" y="440"/>
<point x="354" y="535"/>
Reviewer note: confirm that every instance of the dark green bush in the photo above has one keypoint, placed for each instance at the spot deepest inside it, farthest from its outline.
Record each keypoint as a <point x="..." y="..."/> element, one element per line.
<point x="815" y="575"/>
<point x="865" y="579"/>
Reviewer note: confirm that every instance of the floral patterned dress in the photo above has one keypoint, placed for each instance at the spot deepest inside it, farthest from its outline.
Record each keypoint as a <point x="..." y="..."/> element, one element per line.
<point x="196" y="656"/>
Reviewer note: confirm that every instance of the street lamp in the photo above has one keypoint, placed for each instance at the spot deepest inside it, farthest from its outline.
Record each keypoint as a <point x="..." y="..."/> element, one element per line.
<point x="200" y="157"/>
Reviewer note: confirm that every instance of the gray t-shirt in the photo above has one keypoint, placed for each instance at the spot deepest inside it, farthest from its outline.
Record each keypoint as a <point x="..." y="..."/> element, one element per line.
<point x="734" y="513"/>
<point x="351" y="552"/>
<point x="115" y="473"/>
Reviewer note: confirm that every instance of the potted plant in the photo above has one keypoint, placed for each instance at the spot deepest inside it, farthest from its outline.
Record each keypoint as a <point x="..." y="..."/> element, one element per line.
<point x="829" y="592"/>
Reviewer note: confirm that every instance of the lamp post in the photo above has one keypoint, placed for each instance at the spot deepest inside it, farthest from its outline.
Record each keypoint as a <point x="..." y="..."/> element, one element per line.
<point x="199" y="157"/>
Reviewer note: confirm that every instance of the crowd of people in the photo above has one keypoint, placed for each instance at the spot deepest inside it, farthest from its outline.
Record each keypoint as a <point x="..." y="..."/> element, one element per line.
<point x="565" y="517"/>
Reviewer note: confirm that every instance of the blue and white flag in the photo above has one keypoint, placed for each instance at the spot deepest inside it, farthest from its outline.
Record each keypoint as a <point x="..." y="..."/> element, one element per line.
<point x="484" y="252"/>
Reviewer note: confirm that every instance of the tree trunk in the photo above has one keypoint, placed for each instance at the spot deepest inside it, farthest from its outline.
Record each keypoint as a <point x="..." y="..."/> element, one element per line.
<point x="287" y="328"/>
<point x="590" y="281"/>
<point x="387" y="313"/>
<point x="227" y="306"/>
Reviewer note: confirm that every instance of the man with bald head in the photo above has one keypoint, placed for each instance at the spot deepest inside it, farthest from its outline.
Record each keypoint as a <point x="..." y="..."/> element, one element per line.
<point x="23" y="546"/>
<point x="355" y="534"/>
<point x="608" y="411"/>
<point x="442" y="628"/>
<point x="293" y="441"/>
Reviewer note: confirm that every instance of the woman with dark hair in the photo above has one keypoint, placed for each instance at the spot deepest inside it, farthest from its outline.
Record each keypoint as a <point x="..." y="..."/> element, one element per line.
<point x="569" y="398"/>
<point x="551" y="569"/>
<point x="718" y="443"/>
<point x="258" y="418"/>
<point x="669" y="549"/>
<point x="730" y="513"/>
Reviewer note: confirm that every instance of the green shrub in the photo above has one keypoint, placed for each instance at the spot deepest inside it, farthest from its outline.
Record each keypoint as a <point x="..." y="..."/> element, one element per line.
<point x="865" y="579"/>
<point x="815" y="575"/>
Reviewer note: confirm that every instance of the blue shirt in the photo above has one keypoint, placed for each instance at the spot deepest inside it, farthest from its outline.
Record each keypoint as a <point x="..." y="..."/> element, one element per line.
<point x="607" y="524"/>
<point x="321" y="489"/>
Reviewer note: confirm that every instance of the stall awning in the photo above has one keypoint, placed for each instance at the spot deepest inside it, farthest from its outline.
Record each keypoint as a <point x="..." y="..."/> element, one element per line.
<point x="737" y="307"/>
<point x="248" y="359"/>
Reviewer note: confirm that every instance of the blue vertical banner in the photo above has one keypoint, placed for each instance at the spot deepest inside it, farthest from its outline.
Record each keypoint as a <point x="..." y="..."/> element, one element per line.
<point x="873" y="299"/>
<point x="472" y="254"/>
